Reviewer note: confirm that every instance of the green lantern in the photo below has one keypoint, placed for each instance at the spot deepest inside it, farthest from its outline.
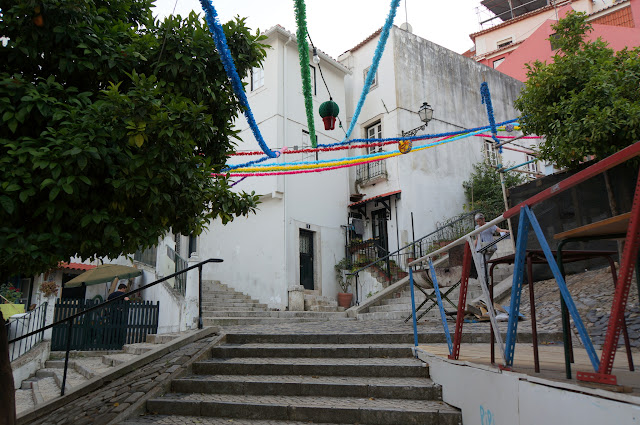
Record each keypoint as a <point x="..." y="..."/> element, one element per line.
<point x="329" y="112"/>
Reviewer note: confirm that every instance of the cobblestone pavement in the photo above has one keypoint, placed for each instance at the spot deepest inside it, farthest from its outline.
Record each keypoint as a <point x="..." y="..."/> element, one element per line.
<point x="592" y="292"/>
<point x="104" y="404"/>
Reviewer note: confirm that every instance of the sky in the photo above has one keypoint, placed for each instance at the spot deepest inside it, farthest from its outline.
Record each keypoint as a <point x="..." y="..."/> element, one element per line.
<point x="335" y="26"/>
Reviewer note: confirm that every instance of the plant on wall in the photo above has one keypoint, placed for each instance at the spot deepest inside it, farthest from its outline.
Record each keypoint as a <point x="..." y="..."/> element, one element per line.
<point x="343" y="267"/>
<point x="49" y="288"/>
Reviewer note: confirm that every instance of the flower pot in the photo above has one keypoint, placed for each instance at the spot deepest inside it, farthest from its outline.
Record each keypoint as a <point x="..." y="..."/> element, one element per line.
<point x="344" y="299"/>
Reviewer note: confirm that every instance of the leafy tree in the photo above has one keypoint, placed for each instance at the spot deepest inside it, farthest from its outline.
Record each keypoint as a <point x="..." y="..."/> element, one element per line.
<point x="587" y="101"/>
<point x="483" y="190"/>
<point x="111" y="123"/>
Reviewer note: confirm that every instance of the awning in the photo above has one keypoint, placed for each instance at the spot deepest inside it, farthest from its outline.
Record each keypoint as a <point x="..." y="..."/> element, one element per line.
<point x="76" y="266"/>
<point x="375" y="198"/>
<point x="103" y="273"/>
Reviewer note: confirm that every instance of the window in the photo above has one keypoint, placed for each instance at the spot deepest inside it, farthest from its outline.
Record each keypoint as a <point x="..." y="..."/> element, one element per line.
<point x="552" y="39"/>
<point x="496" y="63"/>
<point x="532" y="166"/>
<point x="257" y="78"/>
<point x="374" y="132"/>
<point x="312" y="70"/>
<point x="490" y="153"/>
<point x="374" y="82"/>
<point x="306" y="143"/>
<point x="505" y="42"/>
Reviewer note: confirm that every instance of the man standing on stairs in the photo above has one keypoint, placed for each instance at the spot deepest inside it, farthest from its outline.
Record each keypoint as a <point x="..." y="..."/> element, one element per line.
<point x="484" y="238"/>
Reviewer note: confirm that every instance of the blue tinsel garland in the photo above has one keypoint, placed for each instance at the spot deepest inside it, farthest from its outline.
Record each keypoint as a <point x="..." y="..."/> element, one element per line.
<point x="227" y="61"/>
<point x="374" y="65"/>
<point x="485" y="94"/>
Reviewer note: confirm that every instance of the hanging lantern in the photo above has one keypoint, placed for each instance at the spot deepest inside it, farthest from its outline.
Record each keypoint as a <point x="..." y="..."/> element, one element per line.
<point x="329" y="111"/>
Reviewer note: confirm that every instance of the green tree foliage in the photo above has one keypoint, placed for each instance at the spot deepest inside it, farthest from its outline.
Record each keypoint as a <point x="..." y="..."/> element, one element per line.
<point x="111" y="123"/>
<point x="587" y="101"/>
<point x="484" y="192"/>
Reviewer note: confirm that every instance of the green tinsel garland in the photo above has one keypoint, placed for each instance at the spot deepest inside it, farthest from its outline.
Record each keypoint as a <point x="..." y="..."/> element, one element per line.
<point x="303" y="52"/>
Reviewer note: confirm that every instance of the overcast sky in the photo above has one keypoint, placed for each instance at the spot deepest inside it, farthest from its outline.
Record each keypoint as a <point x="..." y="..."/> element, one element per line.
<point x="337" y="25"/>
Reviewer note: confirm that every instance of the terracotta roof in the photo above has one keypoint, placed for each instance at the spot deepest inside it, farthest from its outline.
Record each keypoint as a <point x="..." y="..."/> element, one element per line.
<point x="619" y="18"/>
<point x="384" y="195"/>
<point x="365" y="41"/>
<point x="76" y="266"/>
<point x="516" y="19"/>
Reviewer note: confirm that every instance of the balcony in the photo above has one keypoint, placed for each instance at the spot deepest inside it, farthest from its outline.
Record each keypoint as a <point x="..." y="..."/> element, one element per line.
<point x="371" y="172"/>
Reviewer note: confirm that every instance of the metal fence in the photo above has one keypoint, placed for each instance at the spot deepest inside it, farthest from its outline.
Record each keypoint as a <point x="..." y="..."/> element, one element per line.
<point x="181" y="264"/>
<point x="368" y="256"/>
<point x="107" y="328"/>
<point x="18" y="326"/>
<point x="147" y="256"/>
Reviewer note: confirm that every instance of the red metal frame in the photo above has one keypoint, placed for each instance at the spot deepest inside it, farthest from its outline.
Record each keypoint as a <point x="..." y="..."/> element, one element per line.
<point x="462" y="301"/>
<point x="629" y="256"/>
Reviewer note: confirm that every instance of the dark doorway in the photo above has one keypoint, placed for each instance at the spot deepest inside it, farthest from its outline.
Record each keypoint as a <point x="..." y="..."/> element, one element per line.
<point x="380" y="235"/>
<point x="77" y="293"/>
<point x="306" y="259"/>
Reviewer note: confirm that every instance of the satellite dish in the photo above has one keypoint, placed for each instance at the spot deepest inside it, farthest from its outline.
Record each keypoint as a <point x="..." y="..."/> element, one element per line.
<point x="407" y="27"/>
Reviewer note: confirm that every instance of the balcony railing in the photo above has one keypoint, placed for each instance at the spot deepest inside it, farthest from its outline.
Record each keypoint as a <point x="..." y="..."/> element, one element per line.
<point x="371" y="171"/>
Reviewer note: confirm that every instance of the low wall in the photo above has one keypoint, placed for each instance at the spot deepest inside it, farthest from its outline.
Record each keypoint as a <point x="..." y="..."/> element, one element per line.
<point x="488" y="396"/>
<point x="26" y="365"/>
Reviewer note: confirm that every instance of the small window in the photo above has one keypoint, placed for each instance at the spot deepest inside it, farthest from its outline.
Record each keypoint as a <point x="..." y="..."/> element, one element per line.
<point x="505" y="42"/>
<point x="257" y="78"/>
<point x="490" y="153"/>
<point x="374" y="132"/>
<point x="532" y="166"/>
<point x="374" y="82"/>
<point x="553" y="40"/>
<point x="312" y="70"/>
<point x="496" y="63"/>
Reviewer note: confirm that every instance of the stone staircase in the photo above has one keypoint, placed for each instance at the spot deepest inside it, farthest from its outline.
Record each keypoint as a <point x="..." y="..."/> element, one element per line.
<point x="224" y="306"/>
<point x="83" y="366"/>
<point x="300" y="378"/>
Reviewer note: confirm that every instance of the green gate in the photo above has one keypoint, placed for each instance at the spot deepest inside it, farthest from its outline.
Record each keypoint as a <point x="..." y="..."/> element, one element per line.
<point x="106" y="328"/>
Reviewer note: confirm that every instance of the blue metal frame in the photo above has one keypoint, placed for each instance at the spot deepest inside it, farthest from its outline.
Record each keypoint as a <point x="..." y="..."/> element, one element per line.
<point x="443" y="316"/>
<point x="527" y="217"/>
<point x="516" y="288"/>
<point x="413" y="309"/>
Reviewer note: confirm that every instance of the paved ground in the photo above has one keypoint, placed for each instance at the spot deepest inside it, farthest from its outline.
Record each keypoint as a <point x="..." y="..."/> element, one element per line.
<point x="592" y="293"/>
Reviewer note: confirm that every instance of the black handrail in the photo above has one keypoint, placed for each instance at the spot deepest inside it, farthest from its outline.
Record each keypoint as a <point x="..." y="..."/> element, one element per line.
<point x="412" y="244"/>
<point x="119" y="298"/>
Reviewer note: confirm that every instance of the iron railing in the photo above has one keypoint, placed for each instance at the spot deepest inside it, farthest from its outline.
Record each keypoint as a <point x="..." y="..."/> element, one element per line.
<point x="147" y="256"/>
<point x="371" y="171"/>
<point x="391" y="267"/>
<point x="18" y="326"/>
<point x="181" y="264"/>
<point x="70" y="320"/>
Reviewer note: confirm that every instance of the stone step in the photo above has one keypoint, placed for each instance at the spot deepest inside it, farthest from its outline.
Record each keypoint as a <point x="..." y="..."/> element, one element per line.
<point x="313" y="351"/>
<point x="233" y="302"/>
<point x="319" y="386"/>
<point x="226" y="295"/>
<point x="160" y="339"/>
<point x="139" y="348"/>
<point x="325" y="308"/>
<point x="390" y="307"/>
<point x="372" y="367"/>
<point x="262" y="313"/>
<point x="246" y="307"/>
<point x="164" y="419"/>
<point x="232" y="321"/>
<point x="301" y="408"/>
<point x="319" y="298"/>
<point x="394" y="315"/>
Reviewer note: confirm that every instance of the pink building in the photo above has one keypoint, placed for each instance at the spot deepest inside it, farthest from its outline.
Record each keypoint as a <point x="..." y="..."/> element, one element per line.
<point x="522" y="36"/>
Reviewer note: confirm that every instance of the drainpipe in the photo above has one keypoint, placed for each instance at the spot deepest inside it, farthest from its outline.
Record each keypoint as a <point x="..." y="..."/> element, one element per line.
<point x="283" y="182"/>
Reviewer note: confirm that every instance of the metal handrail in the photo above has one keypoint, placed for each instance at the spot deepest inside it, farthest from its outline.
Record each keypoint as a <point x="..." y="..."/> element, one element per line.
<point x="412" y="244"/>
<point x="34" y="316"/>
<point x="119" y="298"/>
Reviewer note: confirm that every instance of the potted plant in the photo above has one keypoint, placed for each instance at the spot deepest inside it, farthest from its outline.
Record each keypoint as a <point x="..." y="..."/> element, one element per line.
<point x="8" y="297"/>
<point x="342" y="268"/>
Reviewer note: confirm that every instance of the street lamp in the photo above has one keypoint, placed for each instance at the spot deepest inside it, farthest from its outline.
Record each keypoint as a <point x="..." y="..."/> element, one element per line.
<point x="426" y="114"/>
